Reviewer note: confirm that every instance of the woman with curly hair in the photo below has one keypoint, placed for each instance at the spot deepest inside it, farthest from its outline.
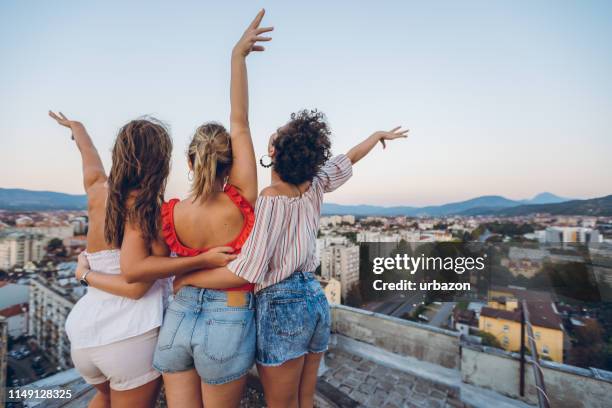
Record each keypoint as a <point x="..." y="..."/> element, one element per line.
<point x="293" y="318"/>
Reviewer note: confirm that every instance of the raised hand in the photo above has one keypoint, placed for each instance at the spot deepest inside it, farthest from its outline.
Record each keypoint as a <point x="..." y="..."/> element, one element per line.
<point x="252" y="36"/>
<point x="63" y="120"/>
<point x="392" y="134"/>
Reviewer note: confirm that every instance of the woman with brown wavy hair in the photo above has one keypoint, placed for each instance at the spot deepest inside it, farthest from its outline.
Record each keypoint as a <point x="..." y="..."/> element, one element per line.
<point x="113" y="329"/>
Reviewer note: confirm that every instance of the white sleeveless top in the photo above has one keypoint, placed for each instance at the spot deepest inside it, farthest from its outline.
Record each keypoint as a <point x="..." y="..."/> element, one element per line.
<point x="100" y="318"/>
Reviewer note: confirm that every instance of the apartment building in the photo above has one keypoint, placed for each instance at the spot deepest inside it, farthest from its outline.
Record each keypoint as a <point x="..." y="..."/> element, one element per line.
<point x="19" y="248"/>
<point x="50" y="304"/>
<point x="341" y="262"/>
<point x="3" y="354"/>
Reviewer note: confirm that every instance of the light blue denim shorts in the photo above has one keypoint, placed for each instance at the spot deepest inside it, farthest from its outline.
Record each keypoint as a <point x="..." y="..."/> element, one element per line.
<point x="200" y="330"/>
<point x="293" y="319"/>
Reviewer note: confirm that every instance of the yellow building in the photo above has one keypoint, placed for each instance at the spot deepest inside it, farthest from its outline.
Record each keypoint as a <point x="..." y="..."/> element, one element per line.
<point x="332" y="289"/>
<point x="502" y="319"/>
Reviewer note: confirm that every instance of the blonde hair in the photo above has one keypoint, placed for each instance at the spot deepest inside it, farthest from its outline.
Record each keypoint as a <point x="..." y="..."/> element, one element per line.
<point x="210" y="155"/>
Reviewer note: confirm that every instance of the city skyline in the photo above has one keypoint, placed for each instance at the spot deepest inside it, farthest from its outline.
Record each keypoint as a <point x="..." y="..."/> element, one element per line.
<point x="501" y="99"/>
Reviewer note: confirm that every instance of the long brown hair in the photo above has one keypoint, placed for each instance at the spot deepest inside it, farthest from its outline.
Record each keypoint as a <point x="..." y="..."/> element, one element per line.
<point x="141" y="164"/>
<point x="210" y="156"/>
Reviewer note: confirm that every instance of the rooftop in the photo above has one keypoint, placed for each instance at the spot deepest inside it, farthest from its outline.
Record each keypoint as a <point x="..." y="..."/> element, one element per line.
<point x="382" y="361"/>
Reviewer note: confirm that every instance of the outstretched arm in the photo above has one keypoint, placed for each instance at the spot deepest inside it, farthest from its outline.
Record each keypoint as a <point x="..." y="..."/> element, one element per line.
<point x="243" y="174"/>
<point x="93" y="169"/>
<point x="139" y="265"/>
<point x="362" y="149"/>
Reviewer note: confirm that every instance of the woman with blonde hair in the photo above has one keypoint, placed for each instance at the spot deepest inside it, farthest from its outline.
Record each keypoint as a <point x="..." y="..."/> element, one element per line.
<point x="207" y="342"/>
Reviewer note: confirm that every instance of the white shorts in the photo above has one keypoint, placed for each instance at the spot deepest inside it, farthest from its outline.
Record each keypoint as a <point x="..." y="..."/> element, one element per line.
<point x="125" y="364"/>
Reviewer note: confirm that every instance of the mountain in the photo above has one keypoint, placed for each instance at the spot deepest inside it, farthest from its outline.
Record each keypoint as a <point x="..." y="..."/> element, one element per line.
<point x="27" y="200"/>
<point x="601" y="206"/>
<point x="474" y="206"/>
<point x="546" y="198"/>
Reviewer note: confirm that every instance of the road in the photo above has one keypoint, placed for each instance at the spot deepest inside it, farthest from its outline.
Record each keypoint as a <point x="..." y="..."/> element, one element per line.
<point x="441" y="318"/>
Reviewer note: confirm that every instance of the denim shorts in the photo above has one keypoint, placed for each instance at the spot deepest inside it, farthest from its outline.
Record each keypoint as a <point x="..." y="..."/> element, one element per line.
<point x="200" y="330"/>
<point x="292" y="320"/>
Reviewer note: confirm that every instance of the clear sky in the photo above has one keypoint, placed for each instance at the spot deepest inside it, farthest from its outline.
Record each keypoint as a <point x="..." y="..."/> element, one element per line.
<point x="509" y="98"/>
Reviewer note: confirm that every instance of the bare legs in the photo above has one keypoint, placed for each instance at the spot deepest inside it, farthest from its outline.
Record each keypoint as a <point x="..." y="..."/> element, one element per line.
<point x="292" y="384"/>
<point x="223" y="395"/>
<point x="102" y="399"/>
<point x="183" y="389"/>
<point x="308" y="384"/>
<point x="144" y="396"/>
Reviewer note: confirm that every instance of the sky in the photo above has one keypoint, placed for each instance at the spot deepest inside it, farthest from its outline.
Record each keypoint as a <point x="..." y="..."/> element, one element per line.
<point x="506" y="98"/>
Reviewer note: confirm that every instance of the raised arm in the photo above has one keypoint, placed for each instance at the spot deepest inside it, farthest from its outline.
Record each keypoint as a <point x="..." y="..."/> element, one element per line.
<point x="93" y="169"/>
<point x="138" y="264"/>
<point x="243" y="174"/>
<point x="362" y="149"/>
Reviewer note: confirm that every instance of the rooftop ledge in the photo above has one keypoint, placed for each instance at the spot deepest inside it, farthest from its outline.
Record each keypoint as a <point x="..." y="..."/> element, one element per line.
<point x="381" y="361"/>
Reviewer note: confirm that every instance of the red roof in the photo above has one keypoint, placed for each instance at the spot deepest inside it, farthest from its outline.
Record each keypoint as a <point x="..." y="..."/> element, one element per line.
<point x="541" y="314"/>
<point x="14" y="310"/>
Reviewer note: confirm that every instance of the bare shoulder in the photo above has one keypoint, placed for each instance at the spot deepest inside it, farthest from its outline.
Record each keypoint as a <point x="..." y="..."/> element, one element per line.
<point x="271" y="191"/>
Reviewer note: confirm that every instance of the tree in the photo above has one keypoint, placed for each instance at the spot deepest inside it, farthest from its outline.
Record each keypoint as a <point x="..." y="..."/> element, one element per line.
<point x="489" y="340"/>
<point x="54" y="244"/>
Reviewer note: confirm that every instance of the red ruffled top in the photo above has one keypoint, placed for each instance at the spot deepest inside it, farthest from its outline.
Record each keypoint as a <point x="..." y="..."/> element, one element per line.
<point x="175" y="245"/>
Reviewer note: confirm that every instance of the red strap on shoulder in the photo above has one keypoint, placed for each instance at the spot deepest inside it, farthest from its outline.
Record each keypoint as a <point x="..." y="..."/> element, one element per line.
<point x="248" y="213"/>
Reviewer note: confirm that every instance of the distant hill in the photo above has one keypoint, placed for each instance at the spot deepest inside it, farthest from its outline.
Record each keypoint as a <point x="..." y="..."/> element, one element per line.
<point x="601" y="206"/>
<point x="474" y="206"/>
<point x="17" y="199"/>
<point x="546" y="198"/>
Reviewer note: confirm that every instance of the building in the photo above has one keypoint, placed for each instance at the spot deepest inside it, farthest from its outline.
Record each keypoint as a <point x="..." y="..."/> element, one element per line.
<point x="18" y="248"/>
<point x="3" y="353"/>
<point x="463" y="320"/>
<point x="332" y="289"/>
<point x="572" y="234"/>
<point x="502" y="319"/>
<point x="50" y="304"/>
<point x="14" y="308"/>
<point x="341" y="262"/>
<point x="24" y="221"/>
<point x="79" y="225"/>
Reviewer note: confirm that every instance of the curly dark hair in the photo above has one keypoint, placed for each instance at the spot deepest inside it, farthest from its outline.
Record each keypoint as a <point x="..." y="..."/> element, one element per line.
<point x="141" y="164"/>
<point x="302" y="146"/>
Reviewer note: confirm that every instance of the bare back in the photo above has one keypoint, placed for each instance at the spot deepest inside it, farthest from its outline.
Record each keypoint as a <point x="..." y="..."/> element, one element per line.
<point x="214" y="222"/>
